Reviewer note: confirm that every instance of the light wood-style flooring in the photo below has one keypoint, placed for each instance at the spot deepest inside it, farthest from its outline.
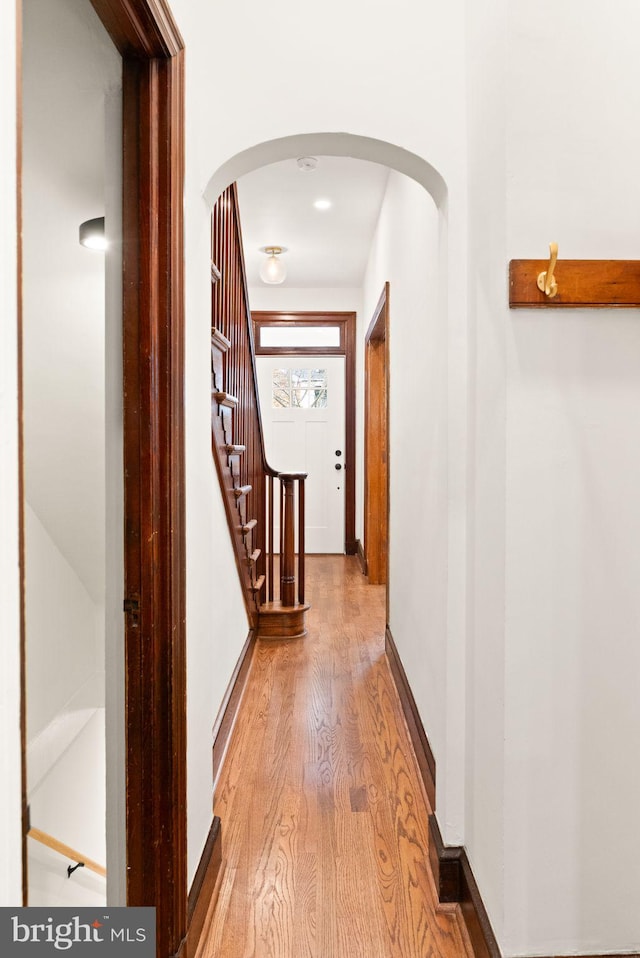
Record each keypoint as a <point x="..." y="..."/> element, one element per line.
<point x="324" y="817"/>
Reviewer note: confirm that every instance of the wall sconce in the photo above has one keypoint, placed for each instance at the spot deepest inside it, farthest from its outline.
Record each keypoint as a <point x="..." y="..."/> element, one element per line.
<point x="273" y="271"/>
<point x="92" y="234"/>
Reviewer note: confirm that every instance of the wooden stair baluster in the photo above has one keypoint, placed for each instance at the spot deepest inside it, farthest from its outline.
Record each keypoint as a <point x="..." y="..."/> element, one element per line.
<point x="246" y="478"/>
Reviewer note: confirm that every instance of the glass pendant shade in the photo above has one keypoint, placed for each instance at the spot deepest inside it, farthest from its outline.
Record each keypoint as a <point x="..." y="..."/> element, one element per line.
<point x="273" y="270"/>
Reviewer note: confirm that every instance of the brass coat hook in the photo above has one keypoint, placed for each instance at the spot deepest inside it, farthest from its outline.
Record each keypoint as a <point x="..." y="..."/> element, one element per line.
<point x="547" y="281"/>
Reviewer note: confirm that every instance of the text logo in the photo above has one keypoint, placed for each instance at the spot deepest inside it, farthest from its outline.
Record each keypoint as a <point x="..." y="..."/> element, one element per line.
<point x="80" y="931"/>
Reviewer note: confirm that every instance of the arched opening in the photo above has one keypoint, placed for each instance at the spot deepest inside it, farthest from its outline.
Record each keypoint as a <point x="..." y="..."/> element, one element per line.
<point x="420" y="401"/>
<point x="406" y="245"/>
<point x="428" y="182"/>
<point x="330" y="144"/>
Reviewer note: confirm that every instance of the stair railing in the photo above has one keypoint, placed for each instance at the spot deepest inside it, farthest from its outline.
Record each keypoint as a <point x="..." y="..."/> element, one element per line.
<point x="257" y="496"/>
<point x="67" y="852"/>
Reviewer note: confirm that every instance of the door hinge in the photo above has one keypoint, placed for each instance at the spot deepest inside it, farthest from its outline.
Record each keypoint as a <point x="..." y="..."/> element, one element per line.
<point x="132" y="608"/>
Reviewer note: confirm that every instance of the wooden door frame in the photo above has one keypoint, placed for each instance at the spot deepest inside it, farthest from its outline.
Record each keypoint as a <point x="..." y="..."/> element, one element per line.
<point x="347" y="348"/>
<point x="376" y="446"/>
<point x="152" y="51"/>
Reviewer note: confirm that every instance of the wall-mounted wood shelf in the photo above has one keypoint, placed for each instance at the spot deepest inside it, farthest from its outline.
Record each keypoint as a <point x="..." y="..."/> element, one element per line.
<point x="582" y="283"/>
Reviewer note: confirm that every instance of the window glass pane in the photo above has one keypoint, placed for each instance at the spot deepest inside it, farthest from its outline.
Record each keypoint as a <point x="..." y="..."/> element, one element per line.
<point x="318" y="378"/>
<point x="299" y="388"/>
<point x="318" y="398"/>
<point x="291" y="336"/>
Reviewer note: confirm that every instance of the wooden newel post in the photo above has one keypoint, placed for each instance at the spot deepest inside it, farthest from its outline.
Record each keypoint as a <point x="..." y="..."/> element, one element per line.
<point x="301" y="545"/>
<point x="288" y="560"/>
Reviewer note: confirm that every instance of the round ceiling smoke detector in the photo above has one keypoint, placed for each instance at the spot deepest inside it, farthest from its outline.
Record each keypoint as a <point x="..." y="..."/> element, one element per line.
<point x="307" y="163"/>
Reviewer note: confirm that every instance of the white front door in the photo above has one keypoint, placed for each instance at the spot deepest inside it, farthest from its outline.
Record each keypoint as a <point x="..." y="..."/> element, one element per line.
<point x="302" y="400"/>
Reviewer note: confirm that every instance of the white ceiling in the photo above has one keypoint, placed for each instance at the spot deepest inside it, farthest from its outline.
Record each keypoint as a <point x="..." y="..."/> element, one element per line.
<point x="326" y="248"/>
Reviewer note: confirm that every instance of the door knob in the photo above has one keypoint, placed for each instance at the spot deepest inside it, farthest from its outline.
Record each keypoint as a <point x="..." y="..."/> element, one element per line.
<point x="338" y="466"/>
<point x="338" y="452"/>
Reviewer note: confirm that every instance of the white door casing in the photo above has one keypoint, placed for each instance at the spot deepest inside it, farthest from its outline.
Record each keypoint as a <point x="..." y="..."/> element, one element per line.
<point x="302" y="401"/>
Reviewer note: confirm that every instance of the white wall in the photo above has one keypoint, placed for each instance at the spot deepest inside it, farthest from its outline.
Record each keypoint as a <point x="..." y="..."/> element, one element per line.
<point x="64" y="629"/>
<point x="488" y="325"/>
<point x="10" y="762"/>
<point x="64" y="354"/>
<point x="404" y="252"/>
<point x="67" y="85"/>
<point x="572" y="788"/>
<point x="78" y="774"/>
<point x="305" y="300"/>
<point x="65" y="721"/>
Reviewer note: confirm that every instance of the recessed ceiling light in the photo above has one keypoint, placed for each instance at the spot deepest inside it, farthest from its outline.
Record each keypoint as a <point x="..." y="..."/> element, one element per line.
<point x="307" y="163"/>
<point x="322" y="204"/>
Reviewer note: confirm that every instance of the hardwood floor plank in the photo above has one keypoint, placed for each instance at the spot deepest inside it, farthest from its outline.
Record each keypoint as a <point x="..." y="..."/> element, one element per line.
<point x="325" y="821"/>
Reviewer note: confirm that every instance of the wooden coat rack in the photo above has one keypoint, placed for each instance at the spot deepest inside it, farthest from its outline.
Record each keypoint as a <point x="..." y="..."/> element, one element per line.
<point x="582" y="283"/>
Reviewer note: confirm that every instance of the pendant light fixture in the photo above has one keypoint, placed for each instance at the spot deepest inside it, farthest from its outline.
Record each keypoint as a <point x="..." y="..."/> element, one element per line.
<point x="273" y="270"/>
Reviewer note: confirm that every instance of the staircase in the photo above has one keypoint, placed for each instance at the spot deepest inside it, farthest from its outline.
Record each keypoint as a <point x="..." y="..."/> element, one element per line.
<point x="255" y="495"/>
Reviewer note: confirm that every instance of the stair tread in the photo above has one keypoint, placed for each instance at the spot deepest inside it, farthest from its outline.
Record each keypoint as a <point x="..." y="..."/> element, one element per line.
<point x="255" y="555"/>
<point x="277" y="608"/>
<point x="248" y="526"/>
<point x="220" y="340"/>
<point x="257" y="585"/>
<point x="234" y="450"/>
<point x="225" y="399"/>
<point x="240" y="491"/>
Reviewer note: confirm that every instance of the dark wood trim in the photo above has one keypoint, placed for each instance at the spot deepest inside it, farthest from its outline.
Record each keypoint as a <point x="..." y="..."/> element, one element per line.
<point x="421" y="746"/>
<point x="155" y="556"/>
<point x="300" y="351"/>
<point x="483" y="940"/>
<point x="143" y="29"/>
<point x="225" y="720"/>
<point x="361" y="556"/>
<point x="376" y="445"/>
<point x="21" y="487"/>
<point x="378" y="323"/>
<point x="271" y="318"/>
<point x="350" y="438"/>
<point x="203" y="886"/>
<point x="445" y="865"/>
<point x="455" y="883"/>
<point x="347" y="348"/>
<point x="262" y="318"/>
<point x="586" y="283"/>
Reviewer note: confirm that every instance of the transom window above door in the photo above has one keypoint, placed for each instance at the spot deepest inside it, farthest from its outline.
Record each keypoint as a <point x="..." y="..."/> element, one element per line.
<point x="299" y="389"/>
<point x="288" y="336"/>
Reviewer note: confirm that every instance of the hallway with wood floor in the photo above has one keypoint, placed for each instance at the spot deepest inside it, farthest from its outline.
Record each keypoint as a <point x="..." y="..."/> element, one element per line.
<point x="324" y="815"/>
